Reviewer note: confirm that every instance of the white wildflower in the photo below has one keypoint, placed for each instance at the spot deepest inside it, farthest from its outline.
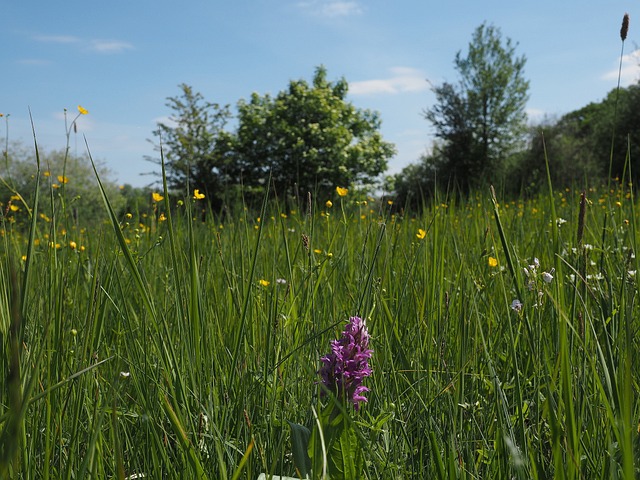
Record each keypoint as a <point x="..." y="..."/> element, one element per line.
<point x="516" y="305"/>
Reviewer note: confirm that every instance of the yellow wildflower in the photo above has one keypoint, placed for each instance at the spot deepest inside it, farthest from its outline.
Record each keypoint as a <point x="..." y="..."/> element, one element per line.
<point x="264" y="283"/>
<point x="342" y="191"/>
<point x="73" y="245"/>
<point x="421" y="233"/>
<point x="156" y="197"/>
<point x="493" y="262"/>
<point x="63" y="179"/>
<point x="329" y="204"/>
<point x="14" y="208"/>
<point x="162" y="218"/>
<point x="46" y="173"/>
<point x="197" y="195"/>
<point x="83" y="111"/>
<point x="317" y="250"/>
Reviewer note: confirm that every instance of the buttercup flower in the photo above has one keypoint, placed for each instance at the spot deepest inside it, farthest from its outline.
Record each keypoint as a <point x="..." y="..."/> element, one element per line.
<point x="493" y="262"/>
<point x="156" y="197"/>
<point x="421" y="233"/>
<point x="342" y="191"/>
<point x="197" y="195"/>
<point x="83" y="111"/>
<point x="344" y="369"/>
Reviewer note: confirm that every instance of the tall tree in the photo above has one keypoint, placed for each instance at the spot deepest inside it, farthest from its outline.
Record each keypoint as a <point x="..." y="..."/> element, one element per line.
<point x="482" y="119"/>
<point x="309" y="138"/>
<point x="195" y="145"/>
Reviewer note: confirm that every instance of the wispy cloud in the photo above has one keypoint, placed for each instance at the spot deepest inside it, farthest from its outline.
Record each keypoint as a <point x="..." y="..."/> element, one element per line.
<point x="331" y="8"/>
<point x="34" y="62"/>
<point x="630" y="69"/>
<point x="402" y="80"/>
<point x="110" y="46"/>
<point x="92" y="45"/>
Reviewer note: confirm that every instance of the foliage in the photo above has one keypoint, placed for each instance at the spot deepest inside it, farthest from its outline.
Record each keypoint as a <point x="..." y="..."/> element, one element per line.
<point x="195" y="146"/>
<point x="69" y="179"/>
<point x="181" y="349"/>
<point x="481" y="120"/>
<point x="584" y="146"/>
<point x="414" y="185"/>
<point x="309" y="139"/>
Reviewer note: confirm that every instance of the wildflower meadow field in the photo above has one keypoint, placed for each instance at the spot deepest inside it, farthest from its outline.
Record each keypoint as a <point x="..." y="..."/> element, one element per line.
<point x="485" y="338"/>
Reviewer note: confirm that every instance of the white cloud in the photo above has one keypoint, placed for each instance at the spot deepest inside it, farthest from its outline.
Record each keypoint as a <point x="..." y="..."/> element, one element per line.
<point x="109" y="46"/>
<point x="331" y="8"/>
<point x="35" y="62"/>
<point x="535" y="115"/>
<point x="94" y="45"/>
<point x="402" y="80"/>
<point x="630" y="71"/>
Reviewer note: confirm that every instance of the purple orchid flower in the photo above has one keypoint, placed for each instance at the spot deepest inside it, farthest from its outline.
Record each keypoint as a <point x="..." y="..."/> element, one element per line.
<point x="344" y="369"/>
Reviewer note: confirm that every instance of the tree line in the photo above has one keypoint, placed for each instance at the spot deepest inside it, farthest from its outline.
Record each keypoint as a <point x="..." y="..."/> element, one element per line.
<point x="307" y="138"/>
<point x="310" y="138"/>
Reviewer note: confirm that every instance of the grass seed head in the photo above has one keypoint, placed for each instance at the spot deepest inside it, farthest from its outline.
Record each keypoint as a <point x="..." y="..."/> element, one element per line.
<point x="624" y="29"/>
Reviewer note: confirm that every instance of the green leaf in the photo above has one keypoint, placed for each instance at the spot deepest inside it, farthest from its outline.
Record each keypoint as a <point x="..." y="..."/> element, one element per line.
<point x="300" y="436"/>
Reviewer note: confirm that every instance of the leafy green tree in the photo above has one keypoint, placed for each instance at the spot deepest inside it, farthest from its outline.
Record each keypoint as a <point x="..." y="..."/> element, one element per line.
<point x="579" y="145"/>
<point x="308" y="139"/>
<point x="68" y="185"/>
<point x="195" y="145"/>
<point x="414" y="186"/>
<point x="614" y="125"/>
<point x="481" y="120"/>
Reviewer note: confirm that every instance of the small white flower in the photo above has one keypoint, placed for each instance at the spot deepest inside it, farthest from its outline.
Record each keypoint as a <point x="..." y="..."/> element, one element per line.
<point x="281" y="281"/>
<point x="631" y="273"/>
<point x="125" y="374"/>
<point x="560" y="221"/>
<point x="547" y="277"/>
<point x="516" y="305"/>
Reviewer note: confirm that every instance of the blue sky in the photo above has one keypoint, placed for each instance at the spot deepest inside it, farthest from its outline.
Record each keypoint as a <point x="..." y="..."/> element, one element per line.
<point x="122" y="59"/>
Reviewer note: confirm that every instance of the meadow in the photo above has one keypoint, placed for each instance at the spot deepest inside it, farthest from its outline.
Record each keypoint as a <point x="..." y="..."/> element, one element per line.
<point x="181" y="344"/>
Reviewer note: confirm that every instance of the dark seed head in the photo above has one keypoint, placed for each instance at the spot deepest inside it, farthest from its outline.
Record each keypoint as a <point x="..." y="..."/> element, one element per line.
<point x="625" y="27"/>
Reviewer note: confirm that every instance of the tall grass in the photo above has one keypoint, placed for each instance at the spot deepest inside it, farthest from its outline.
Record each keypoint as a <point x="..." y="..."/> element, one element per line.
<point x="177" y="346"/>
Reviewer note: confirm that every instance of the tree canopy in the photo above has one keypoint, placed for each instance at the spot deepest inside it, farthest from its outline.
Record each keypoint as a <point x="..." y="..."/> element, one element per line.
<point x="307" y="138"/>
<point x="481" y="120"/>
<point x="195" y="145"/>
